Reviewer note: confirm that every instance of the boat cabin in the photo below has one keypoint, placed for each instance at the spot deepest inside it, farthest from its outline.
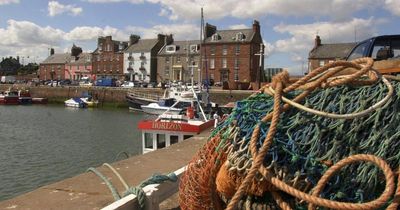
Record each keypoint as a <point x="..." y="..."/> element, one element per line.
<point x="168" y="130"/>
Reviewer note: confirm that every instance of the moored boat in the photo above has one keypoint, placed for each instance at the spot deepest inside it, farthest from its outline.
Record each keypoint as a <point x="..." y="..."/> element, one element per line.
<point x="162" y="106"/>
<point x="75" y="102"/>
<point x="90" y="102"/>
<point x="24" y="97"/>
<point x="9" y="98"/>
<point x="170" y="129"/>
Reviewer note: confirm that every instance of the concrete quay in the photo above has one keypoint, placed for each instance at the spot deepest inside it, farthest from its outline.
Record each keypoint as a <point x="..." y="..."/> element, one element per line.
<point x="87" y="191"/>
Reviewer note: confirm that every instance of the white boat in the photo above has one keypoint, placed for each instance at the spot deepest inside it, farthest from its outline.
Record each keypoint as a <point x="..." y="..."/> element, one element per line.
<point x="156" y="109"/>
<point x="90" y="102"/>
<point x="75" y="102"/>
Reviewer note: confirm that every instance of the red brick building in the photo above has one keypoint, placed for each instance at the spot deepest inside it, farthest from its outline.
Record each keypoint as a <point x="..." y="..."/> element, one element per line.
<point x="108" y="58"/>
<point x="229" y="55"/>
<point x="53" y="67"/>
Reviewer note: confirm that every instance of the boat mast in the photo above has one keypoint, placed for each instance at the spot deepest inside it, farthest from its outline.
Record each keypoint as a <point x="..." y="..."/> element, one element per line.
<point x="201" y="46"/>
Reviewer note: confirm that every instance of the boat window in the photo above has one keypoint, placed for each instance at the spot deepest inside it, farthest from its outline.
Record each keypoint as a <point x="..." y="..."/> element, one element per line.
<point x="187" y="136"/>
<point x="148" y="141"/>
<point x="173" y="139"/>
<point x="160" y="141"/>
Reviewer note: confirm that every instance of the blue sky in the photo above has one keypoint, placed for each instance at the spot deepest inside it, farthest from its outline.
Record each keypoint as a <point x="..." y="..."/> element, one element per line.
<point x="31" y="27"/>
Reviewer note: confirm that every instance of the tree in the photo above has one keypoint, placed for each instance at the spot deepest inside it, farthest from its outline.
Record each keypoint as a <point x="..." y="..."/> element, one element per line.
<point x="9" y="66"/>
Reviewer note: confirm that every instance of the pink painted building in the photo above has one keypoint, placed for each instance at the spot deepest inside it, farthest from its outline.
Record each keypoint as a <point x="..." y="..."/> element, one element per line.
<point x="79" y="66"/>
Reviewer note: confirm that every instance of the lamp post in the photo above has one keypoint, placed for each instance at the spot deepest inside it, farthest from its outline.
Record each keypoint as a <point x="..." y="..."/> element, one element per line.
<point x="261" y="64"/>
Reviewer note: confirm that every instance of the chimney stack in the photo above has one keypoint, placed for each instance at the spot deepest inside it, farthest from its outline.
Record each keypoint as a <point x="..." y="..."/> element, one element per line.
<point x="51" y="51"/>
<point x="133" y="39"/>
<point x="256" y="26"/>
<point x="209" y="30"/>
<point x="317" y="41"/>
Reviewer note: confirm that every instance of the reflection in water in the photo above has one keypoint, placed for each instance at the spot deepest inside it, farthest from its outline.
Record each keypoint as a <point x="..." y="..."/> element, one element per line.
<point x="44" y="144"/>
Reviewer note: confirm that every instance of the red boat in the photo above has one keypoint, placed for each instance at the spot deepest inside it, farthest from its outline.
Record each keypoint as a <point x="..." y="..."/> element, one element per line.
<point x="9" y="98"/>
<point x="170" y="129"/>
<point x="24" y="97"/>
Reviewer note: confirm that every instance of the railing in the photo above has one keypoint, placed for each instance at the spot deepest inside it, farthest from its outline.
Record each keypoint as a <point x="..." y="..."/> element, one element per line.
<point x="155" y="194"/>
<point x="151" y="96"/>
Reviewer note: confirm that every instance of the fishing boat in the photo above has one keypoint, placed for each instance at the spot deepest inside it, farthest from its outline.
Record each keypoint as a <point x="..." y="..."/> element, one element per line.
<point x="24" y="97"/>
<point x="75" y="102"/>
<point x="170" y="129"/>
<point x="9" y="98"/>
<point x="160" y="107"/>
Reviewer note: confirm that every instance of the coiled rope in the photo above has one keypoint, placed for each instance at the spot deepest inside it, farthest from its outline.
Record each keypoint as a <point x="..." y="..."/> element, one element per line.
<point x="320" y="78"/>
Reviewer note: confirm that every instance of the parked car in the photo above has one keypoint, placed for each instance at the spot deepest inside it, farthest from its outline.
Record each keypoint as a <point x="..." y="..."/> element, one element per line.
<point x="144" y="84"/>
<point x="65" y="82"/>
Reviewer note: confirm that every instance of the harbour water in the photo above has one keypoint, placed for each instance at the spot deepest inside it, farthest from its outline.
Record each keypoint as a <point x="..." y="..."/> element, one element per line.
<point x="44" y="144"/>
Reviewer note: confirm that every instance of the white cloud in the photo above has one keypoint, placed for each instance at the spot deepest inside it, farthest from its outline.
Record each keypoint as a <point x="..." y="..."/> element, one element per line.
<point x="393" y="6"/>
<point x="301" y="37"/>
<point x="190" y="9"/>
<point x="179" y="31"/>
<point x="238" y="26"/>
<point x="4" y="2"/>
<point x="27" y="38"/>
<point x="56" y="8"/>
<point x="115" y="1"/>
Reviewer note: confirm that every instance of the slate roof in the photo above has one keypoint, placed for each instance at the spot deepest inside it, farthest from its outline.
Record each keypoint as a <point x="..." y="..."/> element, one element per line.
<point x="143" y="45"/>
<point x="181" y="47"/>
<point x="338" y="50"/>
<point x="57" y="58"/>
<point x="63" y="58"/>
<point x="230" y="35"/>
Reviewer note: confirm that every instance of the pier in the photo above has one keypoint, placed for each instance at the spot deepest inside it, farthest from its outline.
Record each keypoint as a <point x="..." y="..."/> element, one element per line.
<point x="88" y="191"/>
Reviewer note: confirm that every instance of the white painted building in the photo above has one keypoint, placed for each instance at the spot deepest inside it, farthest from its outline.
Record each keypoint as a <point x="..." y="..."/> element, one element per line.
<point x="140" y="58"/>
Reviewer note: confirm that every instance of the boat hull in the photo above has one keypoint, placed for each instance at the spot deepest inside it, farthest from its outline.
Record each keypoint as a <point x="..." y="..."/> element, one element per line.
<point x="25" y="100"/>
<point x="160" y="110"/>
<point x="5" y="100"/>
<point x="136" y="103"/>
<point x="39" y="100"/>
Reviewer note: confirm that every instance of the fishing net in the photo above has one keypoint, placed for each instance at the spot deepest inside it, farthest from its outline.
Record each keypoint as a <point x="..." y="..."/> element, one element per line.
<point x="269" y="155"/>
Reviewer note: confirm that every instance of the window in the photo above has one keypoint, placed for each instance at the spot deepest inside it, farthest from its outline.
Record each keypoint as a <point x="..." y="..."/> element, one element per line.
<point x="77" y="67"/>
<point x="167" y="59"/>
<point x="170" y="49"/>
<point x="173" y="139"/>
<point x="215" y="37"/>
<point x="239" y="36"/>
<point x="224" y="49"/>
<point x="224" y="63"/>
<point x="117" y="57"/>
<point x="166" y="71"/>
<point x="212" y="63"/>
<point x="108" y="47"/>
<point x="178" y="59"/>
<point x="237" y="49"/>
<point x="148" y="140"/>
<point x="236" y="63"/>
<point x="379" y="46"/>
<point x="212" y="76"/>
<point x="236" y="75"/>
<point x="98" y="57"/>
<point x="359" y="51"/>
<point x="396" y="48"/>
<point x="321" y="62"/>
<point x="194" y="48"/>
<point x="212" y="50"/>
<point x="186" y="137"/>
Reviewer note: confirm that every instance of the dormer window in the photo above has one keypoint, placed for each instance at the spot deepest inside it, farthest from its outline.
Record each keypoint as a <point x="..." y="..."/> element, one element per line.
<point x="240" y="36"/>
<point x="215" y="37"/>
<point x="170" y="48"/>
<point x="194" y="48"/>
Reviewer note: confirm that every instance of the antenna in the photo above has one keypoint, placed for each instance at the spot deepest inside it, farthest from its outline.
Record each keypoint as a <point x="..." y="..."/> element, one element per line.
<point x="355" y="34"/>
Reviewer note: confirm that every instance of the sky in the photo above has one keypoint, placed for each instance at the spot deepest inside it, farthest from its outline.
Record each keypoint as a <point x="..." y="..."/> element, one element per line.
<point x="29" y="28"/>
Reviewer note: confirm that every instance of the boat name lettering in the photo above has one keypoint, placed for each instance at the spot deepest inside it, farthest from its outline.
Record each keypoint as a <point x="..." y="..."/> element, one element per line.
<point x="166" y="125"/>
